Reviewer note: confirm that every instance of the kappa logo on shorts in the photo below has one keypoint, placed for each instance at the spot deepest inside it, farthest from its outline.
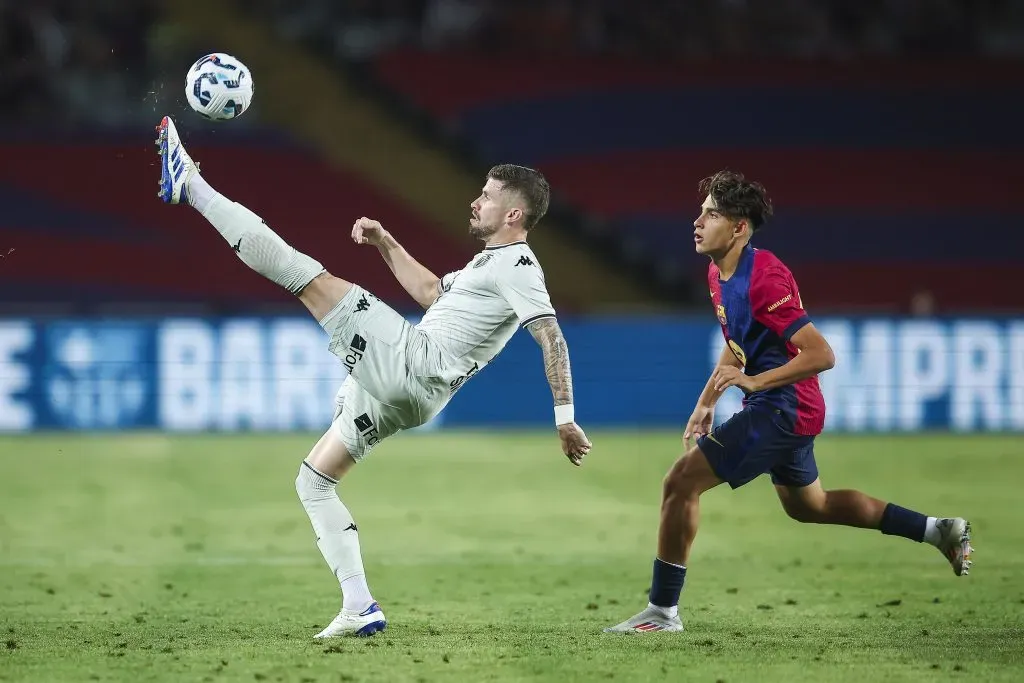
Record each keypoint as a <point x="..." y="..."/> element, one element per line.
<point x="363" y="304"/>
<point x="367" y="429"/>
<point x="356" y="349"/>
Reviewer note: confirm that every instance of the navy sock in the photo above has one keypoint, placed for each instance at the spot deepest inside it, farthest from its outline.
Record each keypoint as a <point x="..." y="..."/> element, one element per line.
<point x="667" y="584"/>
<point x="897" y="521"/>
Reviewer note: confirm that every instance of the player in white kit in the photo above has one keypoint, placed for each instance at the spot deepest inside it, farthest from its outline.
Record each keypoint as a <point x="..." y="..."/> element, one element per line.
<point x="400" y="375"/>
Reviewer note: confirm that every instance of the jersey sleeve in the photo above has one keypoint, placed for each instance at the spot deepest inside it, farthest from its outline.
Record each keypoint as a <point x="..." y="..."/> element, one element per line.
<point x="521" y="284"/>
<point x="775" y="302"/>
<point x="445" y="283"/>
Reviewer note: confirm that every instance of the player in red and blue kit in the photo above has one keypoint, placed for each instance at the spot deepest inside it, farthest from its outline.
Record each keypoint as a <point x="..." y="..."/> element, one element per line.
<point x="774" y="354"/>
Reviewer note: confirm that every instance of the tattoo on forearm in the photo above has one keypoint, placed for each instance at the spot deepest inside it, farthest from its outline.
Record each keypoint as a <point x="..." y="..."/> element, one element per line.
<point x="556" y="358"/>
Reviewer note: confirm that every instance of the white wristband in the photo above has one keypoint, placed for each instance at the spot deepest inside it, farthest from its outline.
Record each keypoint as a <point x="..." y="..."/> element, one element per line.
<point x="564" y="414"/>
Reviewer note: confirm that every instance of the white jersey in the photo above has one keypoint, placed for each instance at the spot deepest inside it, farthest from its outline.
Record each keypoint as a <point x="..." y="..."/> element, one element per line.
<point x="481" y="306"/>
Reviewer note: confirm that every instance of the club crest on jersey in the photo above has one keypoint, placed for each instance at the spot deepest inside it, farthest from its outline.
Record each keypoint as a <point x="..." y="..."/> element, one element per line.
<point x="720" y="312"/>
<point x="482" y="260"/>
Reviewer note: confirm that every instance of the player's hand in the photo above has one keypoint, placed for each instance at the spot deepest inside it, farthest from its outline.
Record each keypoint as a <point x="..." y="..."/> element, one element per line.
<point x="700" y="423"/>
<point x="575" y="443"/>
<point x="368" y="231"/>
<point x="726" y="376"/>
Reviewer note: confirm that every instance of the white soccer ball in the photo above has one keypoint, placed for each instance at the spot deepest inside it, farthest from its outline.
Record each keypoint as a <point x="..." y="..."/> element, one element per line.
<point x="219" y="87"/>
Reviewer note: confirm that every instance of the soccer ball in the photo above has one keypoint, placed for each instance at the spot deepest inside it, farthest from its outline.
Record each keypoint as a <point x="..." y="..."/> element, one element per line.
<point x="218" y="87"/>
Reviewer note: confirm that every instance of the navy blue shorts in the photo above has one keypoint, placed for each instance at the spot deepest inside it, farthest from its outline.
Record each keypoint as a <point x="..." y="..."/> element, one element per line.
<point x="752" y="442"/>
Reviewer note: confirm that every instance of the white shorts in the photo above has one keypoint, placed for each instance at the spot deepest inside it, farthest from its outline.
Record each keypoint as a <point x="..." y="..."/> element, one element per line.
<point x="393" y="381"/>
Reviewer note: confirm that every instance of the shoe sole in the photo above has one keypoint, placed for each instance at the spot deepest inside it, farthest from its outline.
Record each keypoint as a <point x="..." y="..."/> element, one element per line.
<point x="364" y="631"/>
<point x="657" y="629"/>
<point x="965" y="551"/>
<point x="166" y="184"/>
<point x="371" y="628"/>
<point x="166" y="178"/>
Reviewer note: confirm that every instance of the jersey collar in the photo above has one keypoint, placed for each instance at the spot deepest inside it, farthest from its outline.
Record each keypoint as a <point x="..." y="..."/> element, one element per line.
<point x="502" y="246"/>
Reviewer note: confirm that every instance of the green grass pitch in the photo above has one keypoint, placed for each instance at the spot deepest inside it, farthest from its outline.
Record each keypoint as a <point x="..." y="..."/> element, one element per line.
<point x="152" y="557"/>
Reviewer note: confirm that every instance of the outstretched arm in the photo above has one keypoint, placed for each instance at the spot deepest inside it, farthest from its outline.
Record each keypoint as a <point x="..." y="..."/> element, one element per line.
<point x="548" y="334"/>
<point x="556" y="358"/>
<point x="414" y="277"/>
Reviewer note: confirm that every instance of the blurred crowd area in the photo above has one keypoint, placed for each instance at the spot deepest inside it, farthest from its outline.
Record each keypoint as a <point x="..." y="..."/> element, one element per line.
<point x="68" y="61"/>
<point x="683" y="29"/>
<point x="106" y="61"/>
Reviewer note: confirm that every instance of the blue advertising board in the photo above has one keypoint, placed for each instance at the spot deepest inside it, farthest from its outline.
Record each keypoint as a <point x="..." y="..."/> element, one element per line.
<point x="275" y="374"/>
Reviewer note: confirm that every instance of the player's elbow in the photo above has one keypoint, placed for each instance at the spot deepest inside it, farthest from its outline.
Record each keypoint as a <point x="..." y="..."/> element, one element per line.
<point x="429" y="293"/>
<point x="827" y="358"/>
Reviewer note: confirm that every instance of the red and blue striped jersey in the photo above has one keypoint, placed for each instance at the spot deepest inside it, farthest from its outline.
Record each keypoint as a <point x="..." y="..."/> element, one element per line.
<point x="760" y="310"/>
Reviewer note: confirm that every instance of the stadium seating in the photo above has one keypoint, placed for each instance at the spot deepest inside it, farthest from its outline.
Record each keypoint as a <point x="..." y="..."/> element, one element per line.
<point x="881" y="173"/>
<point x="108" y="238"/>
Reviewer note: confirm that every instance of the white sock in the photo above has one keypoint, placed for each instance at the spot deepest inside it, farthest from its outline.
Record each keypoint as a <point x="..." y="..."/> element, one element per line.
<point x="931" y="532"/>
<point x="254" y="242"/>
<point x="356" y="593"/>
<point x="669" y="612"/>
<point x="336" y="534"/>
<point x="199" y="192"/>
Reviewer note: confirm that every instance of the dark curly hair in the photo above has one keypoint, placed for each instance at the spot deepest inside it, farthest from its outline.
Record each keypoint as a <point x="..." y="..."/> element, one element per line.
<point x="529" y="183"/>
<point x="736" y="197"/>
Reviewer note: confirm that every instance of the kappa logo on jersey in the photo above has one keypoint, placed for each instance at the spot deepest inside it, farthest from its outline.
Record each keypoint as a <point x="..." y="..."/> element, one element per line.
<point x="367" y="429"/>
<point x="524" y="261"/>
<point x="356" y="349"/>
<point x="363" y="304"/>
<point x="459" y="381"/>
<point x="482" y="260"/>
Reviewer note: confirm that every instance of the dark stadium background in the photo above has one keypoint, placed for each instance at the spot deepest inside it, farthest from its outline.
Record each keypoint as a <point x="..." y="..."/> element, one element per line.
<point x="888" y="135"/>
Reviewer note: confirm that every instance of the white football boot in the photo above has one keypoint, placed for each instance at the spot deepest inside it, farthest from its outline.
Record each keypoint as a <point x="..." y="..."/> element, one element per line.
<point x="651" y="619"/>
<point x="955" y="543"/>
<point x="351" y="623"/>
<point x="175" y="164"/>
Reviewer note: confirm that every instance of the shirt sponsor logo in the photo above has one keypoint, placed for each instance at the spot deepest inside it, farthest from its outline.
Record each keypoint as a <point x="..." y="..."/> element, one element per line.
<point x="778" y="303"/>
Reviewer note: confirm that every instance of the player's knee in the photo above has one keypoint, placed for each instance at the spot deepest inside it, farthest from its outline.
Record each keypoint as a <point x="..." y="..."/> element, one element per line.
<point x="680" y="481"/>
<point x="330" y="457"/>
<point x="302" y="487"/>
<point x="322" y="293"/>
<point x="804" y="511"/>
<point x="311" y="484"/>
<point x="800" y="513"/>
<point x="690" y="476"/>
